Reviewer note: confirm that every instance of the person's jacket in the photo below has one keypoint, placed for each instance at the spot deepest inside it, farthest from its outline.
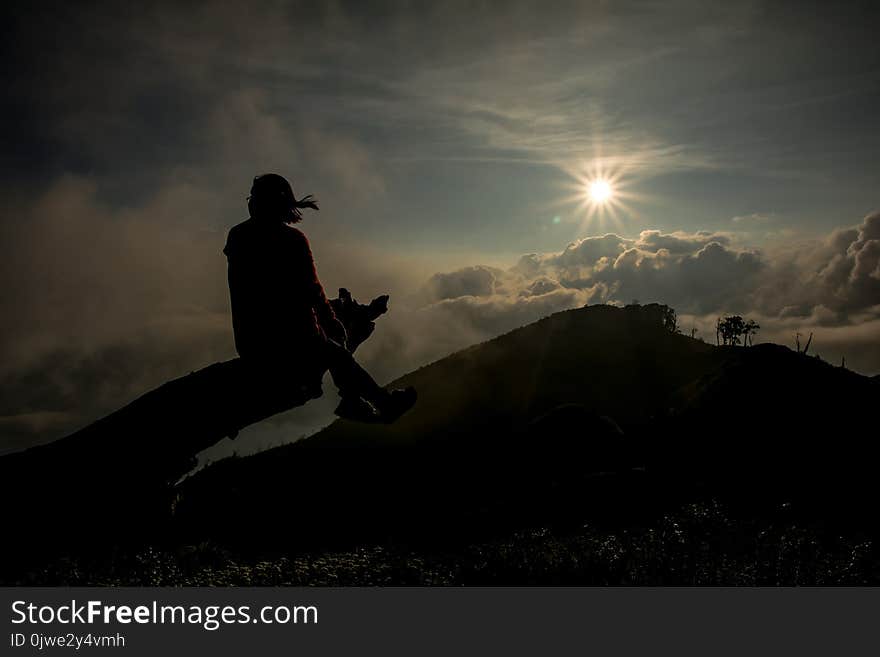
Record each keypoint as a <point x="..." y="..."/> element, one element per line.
<point x="278" y="304"/>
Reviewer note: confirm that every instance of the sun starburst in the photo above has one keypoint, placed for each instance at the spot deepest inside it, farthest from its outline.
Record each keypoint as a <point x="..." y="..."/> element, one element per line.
<point x="600" y="190"/>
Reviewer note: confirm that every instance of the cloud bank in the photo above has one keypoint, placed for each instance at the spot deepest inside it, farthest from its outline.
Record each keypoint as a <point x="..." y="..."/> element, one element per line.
<point x="831" y="286"/>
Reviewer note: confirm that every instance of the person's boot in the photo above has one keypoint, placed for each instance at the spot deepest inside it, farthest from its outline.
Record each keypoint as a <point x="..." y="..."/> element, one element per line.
<point x="395" y="404"/>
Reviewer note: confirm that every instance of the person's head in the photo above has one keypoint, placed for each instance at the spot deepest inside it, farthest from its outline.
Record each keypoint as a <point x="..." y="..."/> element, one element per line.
<point x="272" y="199"/>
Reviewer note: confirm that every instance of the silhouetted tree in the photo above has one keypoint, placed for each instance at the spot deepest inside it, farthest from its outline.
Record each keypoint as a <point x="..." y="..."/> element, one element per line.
<point x="656" y="313"/>
<point x="732" y="328"/>
<point x="749" y="329"/>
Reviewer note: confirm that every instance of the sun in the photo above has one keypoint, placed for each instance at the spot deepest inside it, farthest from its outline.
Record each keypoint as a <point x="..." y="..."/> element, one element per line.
<point x="600" y="191"/>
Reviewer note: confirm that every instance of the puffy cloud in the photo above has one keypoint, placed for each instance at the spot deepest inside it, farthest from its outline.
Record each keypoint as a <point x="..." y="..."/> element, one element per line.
<point x="860" y="263"/>
<point x="478" y="281"/>
<point x="539" y="287"/>
<point x="840" y="273"/>
<point x="700" y="271"/>
<point x="589" y="251"/>
<point x="678" y="242"/>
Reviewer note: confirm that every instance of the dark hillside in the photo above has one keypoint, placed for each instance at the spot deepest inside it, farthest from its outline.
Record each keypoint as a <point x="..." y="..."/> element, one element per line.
<point x="532" y="424"/>
<point x="596" y="425"/>
<point x="610" y="361"/>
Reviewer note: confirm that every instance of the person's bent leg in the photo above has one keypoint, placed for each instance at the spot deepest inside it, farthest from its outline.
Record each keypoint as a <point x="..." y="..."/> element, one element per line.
<point x="356" y="385"/>
<point x="352" y="379"/>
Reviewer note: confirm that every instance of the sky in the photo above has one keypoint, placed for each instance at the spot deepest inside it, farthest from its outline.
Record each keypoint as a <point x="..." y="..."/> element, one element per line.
<point x="450" y="146"/>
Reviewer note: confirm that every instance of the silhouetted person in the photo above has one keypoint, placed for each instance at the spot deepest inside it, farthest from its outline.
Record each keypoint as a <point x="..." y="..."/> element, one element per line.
<point x="281" y="317"/>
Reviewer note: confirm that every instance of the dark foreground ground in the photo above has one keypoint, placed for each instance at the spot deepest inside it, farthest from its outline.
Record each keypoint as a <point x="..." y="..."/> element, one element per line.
<point x="592" y="447"/>
<point x="697" y="544"/>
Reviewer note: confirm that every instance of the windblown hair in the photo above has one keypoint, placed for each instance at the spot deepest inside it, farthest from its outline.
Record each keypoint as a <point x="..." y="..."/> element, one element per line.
<point x="272" y="199"/>
<point x="306" y="201"/>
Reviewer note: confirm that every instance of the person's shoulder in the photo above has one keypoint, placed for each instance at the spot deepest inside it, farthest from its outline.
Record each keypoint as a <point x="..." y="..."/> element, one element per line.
<point x="239" y="230"/>
<point x="294" y="235"/>
<point x="236" y="234"/>
<point x="293" y="232"/>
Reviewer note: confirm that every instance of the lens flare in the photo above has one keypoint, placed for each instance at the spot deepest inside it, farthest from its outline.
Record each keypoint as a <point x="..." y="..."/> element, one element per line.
<point x="600" y="188"/>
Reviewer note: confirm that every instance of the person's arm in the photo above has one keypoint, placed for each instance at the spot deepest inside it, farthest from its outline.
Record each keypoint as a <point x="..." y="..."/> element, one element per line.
<point x="327" y="319"/>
